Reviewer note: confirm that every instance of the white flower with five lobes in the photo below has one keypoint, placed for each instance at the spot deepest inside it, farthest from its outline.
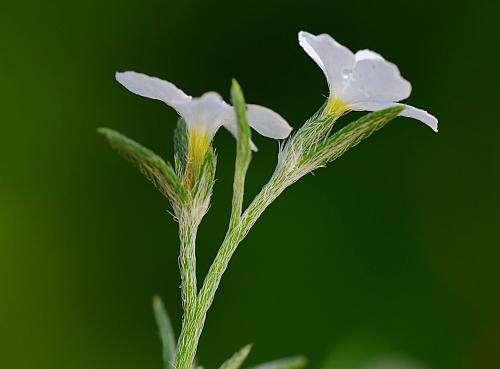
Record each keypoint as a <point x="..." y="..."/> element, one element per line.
<point x="204" y="115"/>
<point x="362" y="81"/>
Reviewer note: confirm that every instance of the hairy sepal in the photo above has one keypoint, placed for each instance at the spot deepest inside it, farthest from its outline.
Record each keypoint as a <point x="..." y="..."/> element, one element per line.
<point x="348" y="137"/>
<point x="180" y="147"/>
<point x="203" y="188"/>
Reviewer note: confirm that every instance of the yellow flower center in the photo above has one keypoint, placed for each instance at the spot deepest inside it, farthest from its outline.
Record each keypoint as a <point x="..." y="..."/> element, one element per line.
<point x="198" y="143"/>
<point x="335" y="106"/>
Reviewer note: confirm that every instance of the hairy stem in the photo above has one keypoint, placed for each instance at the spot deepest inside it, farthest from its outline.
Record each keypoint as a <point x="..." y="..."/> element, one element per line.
<point x="285" y="174"/>
<point x="187" y="266"/>
<point x="234" y="236"/>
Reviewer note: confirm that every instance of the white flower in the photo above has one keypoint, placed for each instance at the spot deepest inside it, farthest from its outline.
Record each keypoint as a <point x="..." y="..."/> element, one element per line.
<point x="205" y="114"/>
<point x="361" y="81"/>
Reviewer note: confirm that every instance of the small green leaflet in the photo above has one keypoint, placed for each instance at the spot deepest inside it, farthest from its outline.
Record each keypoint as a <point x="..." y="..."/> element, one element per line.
<point x="235" y="361"/>
<point x="166" y="331"/>
<point x="295" y="362"/>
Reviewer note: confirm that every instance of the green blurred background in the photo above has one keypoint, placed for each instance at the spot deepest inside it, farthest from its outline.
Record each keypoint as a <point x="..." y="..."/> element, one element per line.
<point x="395" y="244"/>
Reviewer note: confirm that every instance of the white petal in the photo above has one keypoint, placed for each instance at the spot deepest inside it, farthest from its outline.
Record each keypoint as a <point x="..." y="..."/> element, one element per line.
<point x="374" y="78"/>
<point x="264" y="120"/>
<point x="410" y="111"/>
<point x="151" y="87"/>
<point x="307" y="41"/>
<point x="230" y="125"/>
<point x="367" y="54"/>
<point x="333" y="58"/>
<point x="267" y="122"/>
<point x="421" y="115"/>
<point x="202" y="113"/>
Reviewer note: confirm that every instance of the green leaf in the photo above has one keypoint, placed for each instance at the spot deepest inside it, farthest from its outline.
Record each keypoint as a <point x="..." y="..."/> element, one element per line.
<point x="243" y="152"/>
<point x="349" y="136"/>
<point x="235" y="361"/>
<point x="166" y="331"/>
<point x="161" y="174"/>
<point x="180" y="146"/>
<point x="295" y="362"/>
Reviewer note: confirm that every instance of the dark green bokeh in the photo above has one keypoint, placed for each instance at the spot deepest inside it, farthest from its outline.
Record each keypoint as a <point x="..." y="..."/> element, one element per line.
<point x="398" y="240"/>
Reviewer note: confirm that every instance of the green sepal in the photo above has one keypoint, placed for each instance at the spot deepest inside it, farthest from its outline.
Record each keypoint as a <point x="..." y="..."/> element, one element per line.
<point x="235" y="361"/>
<point x="181" y="146"/>
<point x="166" y="332"/>
<point x="152" y="166"/>
<point x="295" y="362"/>
<point x="315" y="130"/>
<point x="349" y="136"/>
<point x="203" y="187"/>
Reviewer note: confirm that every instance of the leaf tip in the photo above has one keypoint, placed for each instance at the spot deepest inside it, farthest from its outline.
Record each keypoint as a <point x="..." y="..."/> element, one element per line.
<point x="235" y="84"/>
<point x="236" y="94"/>
<point x="301" y="361"/>
<point x="157" y="301"/>
<point x="248" y="348"/>
<point x="103" y="130"/>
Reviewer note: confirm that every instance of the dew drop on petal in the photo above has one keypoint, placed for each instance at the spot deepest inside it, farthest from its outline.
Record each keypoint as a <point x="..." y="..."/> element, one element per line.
<point x="346" y="74"/>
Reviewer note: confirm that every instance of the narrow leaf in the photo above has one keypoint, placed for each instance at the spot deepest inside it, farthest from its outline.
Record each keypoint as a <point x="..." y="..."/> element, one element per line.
<point x="235" y="361"/>
<point x="240" y="108"/>
<point x="161" y="174"/>
<point x="166" y="331"/>
<point x="348" y="137"/>
<point x="296" y="362"/>
<point x="243" y="152"/>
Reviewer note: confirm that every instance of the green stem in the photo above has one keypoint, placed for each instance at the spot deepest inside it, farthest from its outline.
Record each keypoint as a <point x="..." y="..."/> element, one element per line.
<point x="194" y="319"/>
<point x="240" y="224"/>
<point x="187" y="266"/>
<point x="192" y="330"/>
